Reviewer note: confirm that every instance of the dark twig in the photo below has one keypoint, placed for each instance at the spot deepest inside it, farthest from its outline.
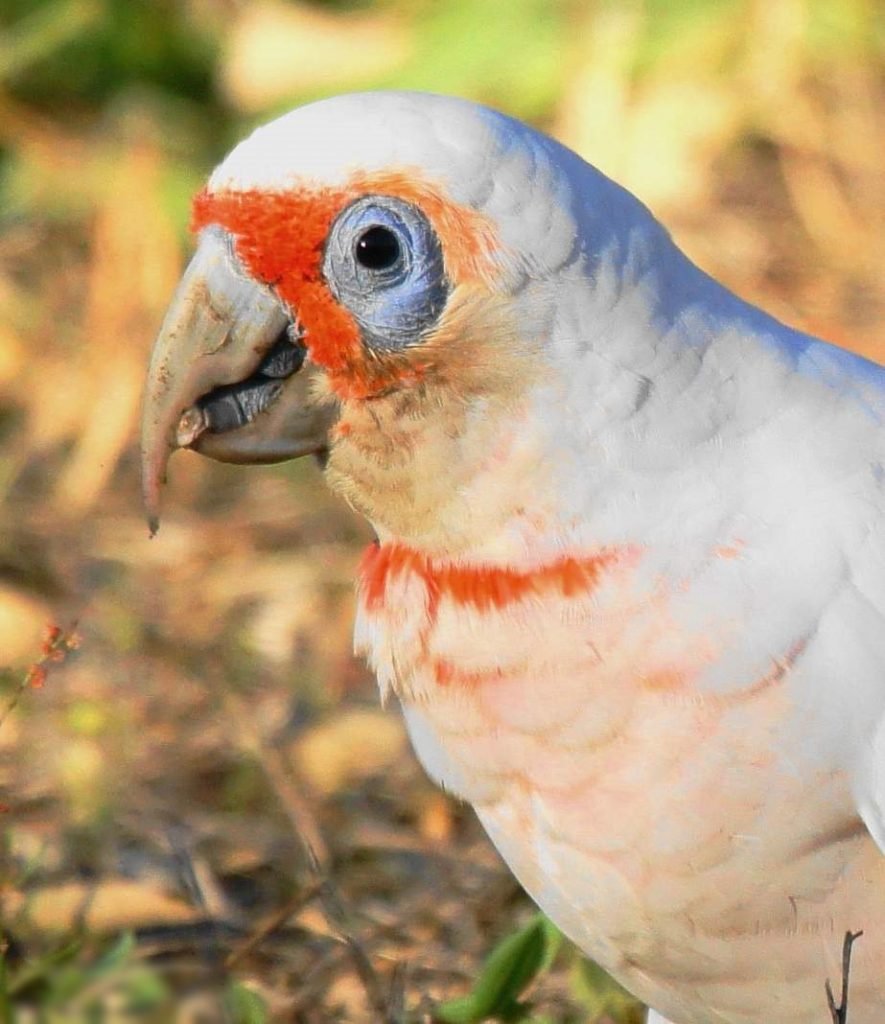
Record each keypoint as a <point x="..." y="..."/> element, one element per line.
<point x="839" y="1013"/>
<point x="210" y="944"/>
<point x="274" y="921"/>
<point x="396" y="999"/>
<point x="281" y="775"/>
<point x="333" y="909"/>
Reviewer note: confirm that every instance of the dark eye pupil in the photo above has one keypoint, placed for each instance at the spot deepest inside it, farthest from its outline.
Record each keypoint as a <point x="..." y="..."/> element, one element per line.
<point x="377" y="248"/>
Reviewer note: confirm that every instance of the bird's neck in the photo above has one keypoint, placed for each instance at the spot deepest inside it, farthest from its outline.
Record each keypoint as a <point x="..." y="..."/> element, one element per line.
<point x="448" y="480"/>
<point x="549" y="461"/>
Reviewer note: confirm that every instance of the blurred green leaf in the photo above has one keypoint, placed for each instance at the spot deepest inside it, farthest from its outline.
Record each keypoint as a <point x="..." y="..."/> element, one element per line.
<point x="145" y="990"/>
<point x="244" y="1005"/>
<point x="75" y="979"/>
<point x="602" y="996"/>
<point x="114" y="45"/>
<point x="43" y="32"/>
<point x="115" y="956"/>
<point x="39" y="972"/>
<point x="511" y="967"/>
<point x="552" y="943"/>
<point x="6" y="1012"/>
<point x="68" y="987"/>
<point x="507" y="52"/>
<point x="852" y="28"/>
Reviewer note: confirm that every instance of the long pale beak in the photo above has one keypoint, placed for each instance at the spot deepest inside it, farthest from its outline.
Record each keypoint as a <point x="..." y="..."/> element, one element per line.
<point x="228" y="375"/>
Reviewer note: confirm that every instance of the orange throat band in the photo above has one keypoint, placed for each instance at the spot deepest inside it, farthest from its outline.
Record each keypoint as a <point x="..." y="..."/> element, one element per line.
<point x="483" y="586"/>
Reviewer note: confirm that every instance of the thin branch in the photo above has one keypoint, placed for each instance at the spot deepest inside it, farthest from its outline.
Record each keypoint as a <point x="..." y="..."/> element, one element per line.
<point x="279" y="771"/>
<point x="270" y="924"/>
<point x="396" y="999"/>
<point x="839" y="1013"/>
<point x="283" y="780"/>
<point x="333" y="909"/>
<point x="282" y="777"/>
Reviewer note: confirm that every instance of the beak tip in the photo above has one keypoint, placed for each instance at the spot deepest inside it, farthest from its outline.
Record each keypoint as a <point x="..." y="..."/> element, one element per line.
<point x="153" y="477"/>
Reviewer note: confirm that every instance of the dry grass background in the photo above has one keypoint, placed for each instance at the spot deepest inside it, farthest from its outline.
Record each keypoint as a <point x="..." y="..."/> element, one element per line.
<point x="165" y="781"/>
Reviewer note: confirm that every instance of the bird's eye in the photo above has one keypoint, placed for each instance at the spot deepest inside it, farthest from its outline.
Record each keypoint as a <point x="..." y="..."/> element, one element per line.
<point x="377" y="248"/>
<point x="383" y="262"/>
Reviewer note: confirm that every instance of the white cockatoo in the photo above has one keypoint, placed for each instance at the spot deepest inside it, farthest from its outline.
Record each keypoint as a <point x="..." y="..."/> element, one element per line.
<point x="629" y="582"/>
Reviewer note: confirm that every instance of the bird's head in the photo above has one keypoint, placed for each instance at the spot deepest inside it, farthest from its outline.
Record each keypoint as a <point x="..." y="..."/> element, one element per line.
<point x="389" y="280"/>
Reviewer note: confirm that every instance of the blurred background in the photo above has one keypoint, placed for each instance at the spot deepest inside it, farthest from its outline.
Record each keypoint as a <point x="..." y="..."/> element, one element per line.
<point x="205" y="814"/>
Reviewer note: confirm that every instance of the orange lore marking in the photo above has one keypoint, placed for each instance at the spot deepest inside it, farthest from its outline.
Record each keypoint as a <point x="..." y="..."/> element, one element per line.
<point x="280" y="235"/>
<point x="482" y="586"/>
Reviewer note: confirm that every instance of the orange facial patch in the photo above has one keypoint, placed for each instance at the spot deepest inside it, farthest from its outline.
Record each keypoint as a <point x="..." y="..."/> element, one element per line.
<point x="467" y="238"/>
<point x="280" y="237"/>
<point x="483" y="586"/>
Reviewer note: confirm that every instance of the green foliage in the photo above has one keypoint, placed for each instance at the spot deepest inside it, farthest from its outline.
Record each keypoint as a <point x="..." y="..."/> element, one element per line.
<point x="844" y="30"/>
<point x="507" y="52"/>
<point x="88" y="50"/>
<point x="601" y="996"/>
<point x="69" y="985"/>
<point x="511" y="967"/>
<point x="244" y="1006"/>
<point x="40" y="975"/>
<point x="40" y="34"/>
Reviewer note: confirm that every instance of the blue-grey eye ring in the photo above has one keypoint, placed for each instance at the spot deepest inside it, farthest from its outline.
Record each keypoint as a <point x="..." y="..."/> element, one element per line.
<point x="383" y="262"/>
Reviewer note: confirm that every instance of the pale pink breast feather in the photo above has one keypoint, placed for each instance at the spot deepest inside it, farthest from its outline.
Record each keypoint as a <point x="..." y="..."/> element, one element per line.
<point x="553" y="677"/>
<point x="562" y="703"/>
